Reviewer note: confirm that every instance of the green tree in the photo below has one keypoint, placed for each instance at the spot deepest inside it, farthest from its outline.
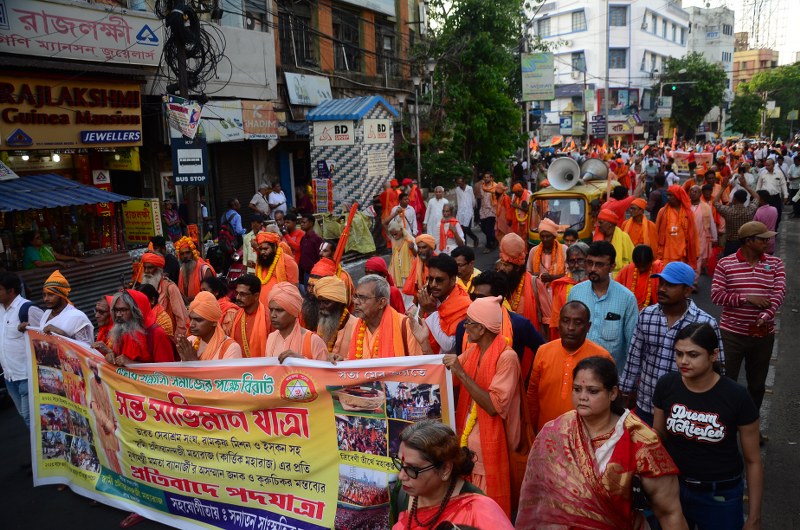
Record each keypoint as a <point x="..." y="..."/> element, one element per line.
<point x="473" y="121"/>
<point x="746" y="113"/>
<point x="696" y="87"/>
<point x="780" y="85"/>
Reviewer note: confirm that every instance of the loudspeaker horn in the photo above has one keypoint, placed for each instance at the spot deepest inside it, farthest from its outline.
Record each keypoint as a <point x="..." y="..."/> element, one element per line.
<point x="563" y="173"/>
<point x="594" y="169"/>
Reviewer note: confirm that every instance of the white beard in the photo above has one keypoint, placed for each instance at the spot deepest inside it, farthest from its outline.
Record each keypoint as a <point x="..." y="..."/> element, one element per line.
<point x="328" y="325"/>
<point x="131" y="327"/>
<point x="153" y="279"/>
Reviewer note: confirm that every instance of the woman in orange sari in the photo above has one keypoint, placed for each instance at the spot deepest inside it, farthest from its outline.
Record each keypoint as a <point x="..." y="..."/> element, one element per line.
<point x="430" y="487"/>
<point x="581" y="468"/>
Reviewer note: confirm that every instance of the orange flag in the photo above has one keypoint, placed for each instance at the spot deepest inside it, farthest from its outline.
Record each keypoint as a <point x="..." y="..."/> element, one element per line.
<point x="674" y="138"/>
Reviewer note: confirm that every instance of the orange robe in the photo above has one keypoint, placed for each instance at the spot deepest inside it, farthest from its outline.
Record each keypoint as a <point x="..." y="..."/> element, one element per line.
<point x="550" y="386"/>
<point x="451" y="311"/>
<point x="198" y="274"/>
<point x="540" y="262"/>
<point x="300" y="340"/>
<point x="229" y="311"/>
<point x="643" y="233"/>
<point x="623" y="176"/>
<point x="393" y="337"/>
<point x="417" y="278"/>
<point x="293" y="240"/>
<point x="504" y="215"/>
<point x="285" y="271"/>
<point x="388" y="199"/>
<point x="643" y="281"/>
<point x="219" y="347"/>
<point x="526" y="302"/>
<point x="561" y="288"/>
<point x="252" y="331"/>
<point x="416" y="201"/>
<point x="341" y="345"/>
<point x="677" y="239"/>
<point x="519" y="219"/>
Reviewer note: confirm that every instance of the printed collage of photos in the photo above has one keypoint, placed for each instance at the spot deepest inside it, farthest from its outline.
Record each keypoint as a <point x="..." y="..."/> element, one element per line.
<point x="66" y="434"/>
<point x="369" y="420"/>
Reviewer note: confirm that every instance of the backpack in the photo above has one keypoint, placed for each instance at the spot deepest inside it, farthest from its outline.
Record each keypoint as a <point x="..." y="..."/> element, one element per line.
<point x="226" y="240"/>
<point x="24" y="310"/>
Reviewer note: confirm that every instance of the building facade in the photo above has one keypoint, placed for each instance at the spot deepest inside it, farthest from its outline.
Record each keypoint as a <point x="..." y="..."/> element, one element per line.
<point x="632" y="39"/>
<point x="747" y="63"/>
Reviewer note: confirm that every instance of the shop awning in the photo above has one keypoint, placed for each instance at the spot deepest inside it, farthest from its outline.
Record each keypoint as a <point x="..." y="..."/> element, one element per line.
<point x="347" y="108"/>
<point x="50" y="191"/>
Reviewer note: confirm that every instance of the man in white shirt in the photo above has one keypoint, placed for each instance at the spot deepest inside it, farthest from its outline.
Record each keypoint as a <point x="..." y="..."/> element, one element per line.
<point x="794" y="185"/>
<point x="773" y="181"/>
<point x="63" y="318"/>
<point x="433" y="214"/>
<point x="466" y="204"/>
<point x="405" y="214"/>
<point x="277" y="199"/>
<point x="259" y="203"/>
<point x="13" y="357"/>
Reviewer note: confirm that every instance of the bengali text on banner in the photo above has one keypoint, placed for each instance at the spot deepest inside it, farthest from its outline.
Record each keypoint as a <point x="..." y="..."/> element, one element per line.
<point x="243" y="444"/>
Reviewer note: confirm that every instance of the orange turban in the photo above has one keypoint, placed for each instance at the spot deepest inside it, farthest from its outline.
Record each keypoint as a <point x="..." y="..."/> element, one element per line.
<point x="205" y="305"/>
<point x="58" y="285"/>
<point x="324" y="267"/>
<point x="547" y="225"/>
<point x="516" y="187"/>
<point x="427" y="239"/>
<point x="151" y="258"/>
<point x="331" y="288"/>
<point x="500" y="188"/>
<point x="606" y="214"/>
<point x="267" y="237"/>
<point x="641" y="203"/>
<point x="488" y="312"/>
<point x="287" y="297"/>
<point x="512" y="249"/>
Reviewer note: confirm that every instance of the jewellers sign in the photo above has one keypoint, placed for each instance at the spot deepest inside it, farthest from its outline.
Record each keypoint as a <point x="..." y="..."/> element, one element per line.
<point x="96" y="34"/>
<point x="39" y="113"/>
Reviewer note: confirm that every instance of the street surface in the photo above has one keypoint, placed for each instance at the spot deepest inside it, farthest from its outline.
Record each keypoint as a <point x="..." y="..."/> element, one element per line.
<point x="26" y="507"/>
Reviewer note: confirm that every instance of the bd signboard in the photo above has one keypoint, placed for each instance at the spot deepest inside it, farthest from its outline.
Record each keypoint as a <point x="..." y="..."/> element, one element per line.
<point x="537" y="77"/>
<point x="378" y="131"/>
<point x="334" y="133"/>
<point x="40" y="113"/>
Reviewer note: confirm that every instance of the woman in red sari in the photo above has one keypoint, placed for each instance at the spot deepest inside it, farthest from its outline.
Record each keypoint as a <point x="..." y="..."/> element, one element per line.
<point x="581" y="468"/>
<point x="430" y="486"/>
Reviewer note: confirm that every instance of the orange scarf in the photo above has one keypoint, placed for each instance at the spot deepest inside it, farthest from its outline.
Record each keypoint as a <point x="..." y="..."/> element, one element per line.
<point x="299" y="340"/>
<point x="641" y="233"/>
<point x="453" y="309"/>
<point x="446" y="231"/>
<point x="389" y="336"/>
<point x="561" y="288"/>
<point x="254" y="338"/>
<point x="196" y="279"/>
<point x="417" y="277"/>
<point x="556" y="260"/>
<point x="216" y="347"/>
<point x="493" y="440"/>
<point x="528" y="301"/>
<point x="643" y="284"/>
<point x="490" y="190"/>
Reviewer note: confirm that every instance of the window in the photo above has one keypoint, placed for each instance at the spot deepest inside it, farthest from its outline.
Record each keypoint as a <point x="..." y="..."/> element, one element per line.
<point x="655" y="25"/>
<point x="385" y="41"/>
<point x="726" y="57"/>
<point x="664" y="28"/>
<point x="653" y="60"/>
<point x="543" y="27"/>
<point x="683" y="35"/>
<point x="618" y="58"/>
<point x="578" y="62"/>
<point x="727" y="29"/>
<point x="296" y="37"/>
<point x="579" y="21"/>
<point x="618" y="16"/>
<point x="347" y="41"/>
<point x="674" y="33"/>
<point x="247" y="14"/>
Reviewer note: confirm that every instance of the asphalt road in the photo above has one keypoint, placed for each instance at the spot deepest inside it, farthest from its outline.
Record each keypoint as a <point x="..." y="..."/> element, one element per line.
<point x="26" y="507"/>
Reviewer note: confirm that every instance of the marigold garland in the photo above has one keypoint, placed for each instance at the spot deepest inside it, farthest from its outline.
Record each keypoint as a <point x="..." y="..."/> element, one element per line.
<point x="187" y="241"/>
<point x="649" y="285"/>
<point x="517" y="294"/>
<point x="362" y="330"/>
<point x="265" y="279"/>
<point x="472" y="419"/>
<point x="196" y="344"/>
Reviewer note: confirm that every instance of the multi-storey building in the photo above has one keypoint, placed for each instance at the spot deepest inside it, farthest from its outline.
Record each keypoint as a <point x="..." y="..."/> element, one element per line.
<point x="747" y="62"/>
<point x="630" y="39"/>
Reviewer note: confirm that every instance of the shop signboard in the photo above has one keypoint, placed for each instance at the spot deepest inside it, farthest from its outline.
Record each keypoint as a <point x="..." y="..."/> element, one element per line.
<point x="260" y="122"/>
<point x="183" y="114"/>
<point x="334" y="133"/>
<point x="123" y="160"/>
<point x="323" y="194"/>
<point x="538" y="83"/>
<point x="189" y="161"/>
<point x="139" y="218"/>
<point x="378" y="131"/>
<point x="222" y="121"/>
<point x="102" y="34"/>
<point x="45" y="113"/>
<point x="308" y="90"/>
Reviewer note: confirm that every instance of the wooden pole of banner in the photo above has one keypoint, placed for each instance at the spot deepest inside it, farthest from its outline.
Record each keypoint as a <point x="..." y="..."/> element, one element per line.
<point x="337" y="256"/>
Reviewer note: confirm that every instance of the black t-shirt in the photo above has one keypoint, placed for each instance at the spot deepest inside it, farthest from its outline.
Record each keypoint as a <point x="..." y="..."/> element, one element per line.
<point x="702" y="427"/>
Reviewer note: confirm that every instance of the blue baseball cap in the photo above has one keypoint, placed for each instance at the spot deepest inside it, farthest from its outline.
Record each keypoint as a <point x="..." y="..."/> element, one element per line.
<point x="677" y="272"/>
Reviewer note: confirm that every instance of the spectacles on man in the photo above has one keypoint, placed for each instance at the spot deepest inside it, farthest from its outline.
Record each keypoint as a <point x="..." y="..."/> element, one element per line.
<point x="411" y="471"/>
<point x="363" y="297"/>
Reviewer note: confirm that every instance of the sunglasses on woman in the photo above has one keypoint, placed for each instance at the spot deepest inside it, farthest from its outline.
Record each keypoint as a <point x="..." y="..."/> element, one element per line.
<point x="411" y="471"/>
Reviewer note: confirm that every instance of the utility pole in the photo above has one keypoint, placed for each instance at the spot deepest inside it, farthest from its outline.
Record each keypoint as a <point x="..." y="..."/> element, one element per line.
<point x="608" y="60"/>
<point x="527" y="111"/>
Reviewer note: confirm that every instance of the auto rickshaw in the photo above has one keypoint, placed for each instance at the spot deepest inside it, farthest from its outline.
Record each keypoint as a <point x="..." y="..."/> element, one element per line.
<point x="568" y="199"/>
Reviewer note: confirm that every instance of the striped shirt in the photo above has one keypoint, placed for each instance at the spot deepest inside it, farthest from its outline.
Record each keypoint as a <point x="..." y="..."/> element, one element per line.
<point x="735" y="279"/>
<point x="652" y="353"/>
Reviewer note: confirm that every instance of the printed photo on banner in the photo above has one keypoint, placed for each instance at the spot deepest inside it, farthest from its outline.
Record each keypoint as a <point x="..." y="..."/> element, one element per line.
<point x="363" y="498"/>
<point x="51" y="381"/>
<point x="362" y="435"/>
<point x="54" y="445"/>
<point x="366" y="399"/>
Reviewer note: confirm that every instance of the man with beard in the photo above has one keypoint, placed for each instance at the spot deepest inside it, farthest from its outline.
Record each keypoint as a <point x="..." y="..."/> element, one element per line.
<point x="520" y="198"/>
<point x="576" y="273"/>
<point x="376" y="265"/>
<point x="612" y="307"/>
<point x="444" y="302"/>
<point x="638" y="276"/>
<point x="550" y="385"/>
<point x="61" y="317"/>
<point x="290" y="339"/>
<point x="169" y="296"/>
<point x="327" y="267"/>
<point x="171" y="265"/>
<point x="418" y="275"/>
<point x="273" y="265"/>
<point x="381" y="331"/>
<point x="546" y="260"/>
<point x="102" y="315"/>
<point x="193" y="269"/>
<point x="251" y="325"/>
<point x="135" y="336"/>
<point x="208" y="342"/>
<point x="335" y="324"/>
<point x="527" y="295"/>
<point x="652" y="353"/>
